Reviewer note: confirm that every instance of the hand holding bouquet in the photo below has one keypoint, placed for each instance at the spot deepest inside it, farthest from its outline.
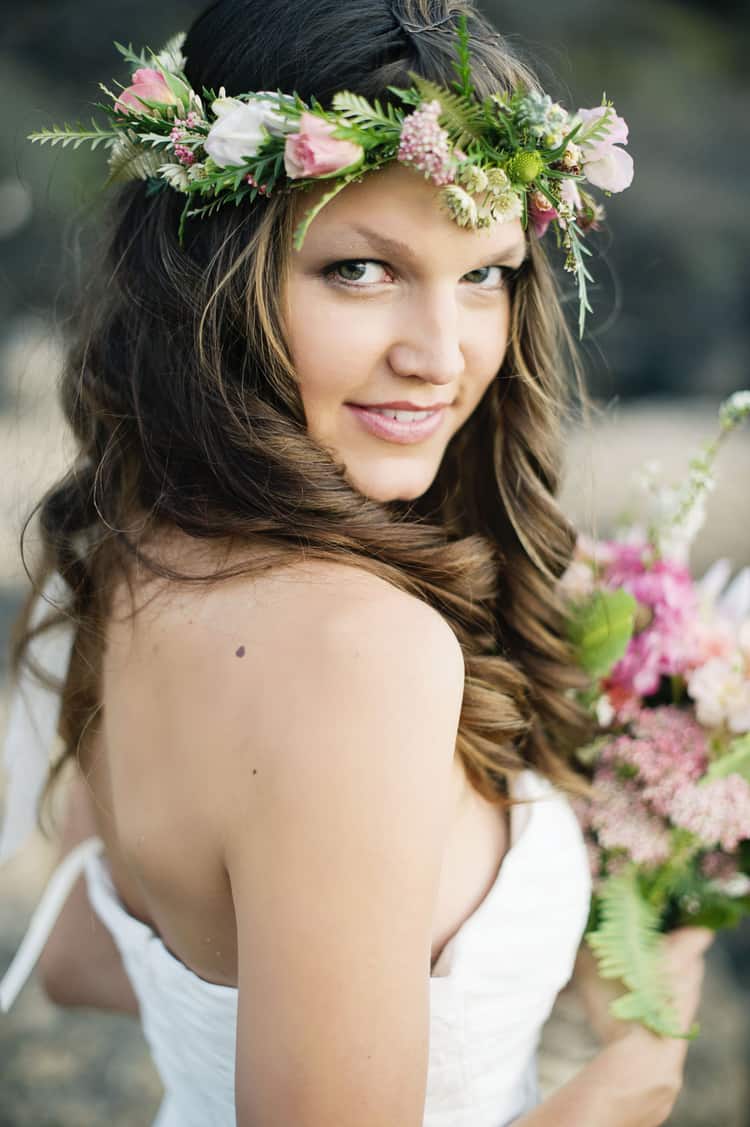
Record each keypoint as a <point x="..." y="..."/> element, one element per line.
<point x="667" y="823"/>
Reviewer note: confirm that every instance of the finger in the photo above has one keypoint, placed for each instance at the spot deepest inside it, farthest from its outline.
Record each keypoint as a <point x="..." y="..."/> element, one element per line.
<point x="691" y="940"/>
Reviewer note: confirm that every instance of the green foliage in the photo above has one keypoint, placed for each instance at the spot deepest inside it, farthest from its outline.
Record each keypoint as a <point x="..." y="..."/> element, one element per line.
<point x="131" y="161"/>
<point x="463" y="118"/>
<point x="131" y="57"/>
<point x="735" y="761"/>
<point x="744" y="856"/>
<point x="67" y="135"/>
<point x="600" y="630"/>
<point x="464" y="84"/>
<point x="718" y="911"/>
<point x="577" y="250"/>
<point x="628" y="946"/>
<point x="378" y="124"/>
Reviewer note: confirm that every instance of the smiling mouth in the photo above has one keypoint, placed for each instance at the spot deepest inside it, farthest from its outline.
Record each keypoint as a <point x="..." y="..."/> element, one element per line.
<point x="401" y="427"/>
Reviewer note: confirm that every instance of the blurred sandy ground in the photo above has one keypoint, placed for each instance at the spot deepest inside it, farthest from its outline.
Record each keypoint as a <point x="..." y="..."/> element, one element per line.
<point x="63" y="1068"/>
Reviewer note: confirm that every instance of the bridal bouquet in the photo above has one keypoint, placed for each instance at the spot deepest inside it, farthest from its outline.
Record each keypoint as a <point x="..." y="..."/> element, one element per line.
<point x="667" y="824"/>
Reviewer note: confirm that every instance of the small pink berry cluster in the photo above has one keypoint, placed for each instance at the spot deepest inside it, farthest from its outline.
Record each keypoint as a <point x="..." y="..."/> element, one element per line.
<point x="262" y="189"/>
<point x="182" y="152"/>
<point x="425" y="145"/>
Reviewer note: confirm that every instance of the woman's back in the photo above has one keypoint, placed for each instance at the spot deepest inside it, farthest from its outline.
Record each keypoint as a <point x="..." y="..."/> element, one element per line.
<point x="160" y="780"/>
<point x="157" y="805"/>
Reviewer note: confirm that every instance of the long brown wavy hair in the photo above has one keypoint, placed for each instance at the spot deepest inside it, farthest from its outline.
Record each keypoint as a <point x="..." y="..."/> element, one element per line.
<point x="180" y="391"/>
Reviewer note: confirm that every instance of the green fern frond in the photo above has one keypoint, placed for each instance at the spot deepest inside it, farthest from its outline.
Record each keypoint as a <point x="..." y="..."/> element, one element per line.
<point x="360" y="112"/>
<point x="463" y="118"/>
<point x="408" y="97"/>
<point x="130" y="161"/>
<point x="130" y="56"/>
<point x="66" y="135"/>
<point x="628" y="946"/>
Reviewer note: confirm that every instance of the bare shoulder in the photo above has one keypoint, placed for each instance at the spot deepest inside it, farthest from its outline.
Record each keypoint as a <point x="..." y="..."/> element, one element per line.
<point x="290" y="615"/>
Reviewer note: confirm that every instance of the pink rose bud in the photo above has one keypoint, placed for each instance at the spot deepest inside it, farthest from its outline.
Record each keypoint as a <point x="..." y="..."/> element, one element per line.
<point x="313" y="151"/>
<point x="149" y="84"/>
<point x="541" y="213"/>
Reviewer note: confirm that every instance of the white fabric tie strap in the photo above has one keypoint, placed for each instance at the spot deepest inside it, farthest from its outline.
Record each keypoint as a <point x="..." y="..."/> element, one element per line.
<point x="44" y="918"/>
<point x="32" y="721"/>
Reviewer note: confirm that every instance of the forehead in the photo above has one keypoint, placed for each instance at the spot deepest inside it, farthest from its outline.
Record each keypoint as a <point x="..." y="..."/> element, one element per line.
<point x="399" y="208"/>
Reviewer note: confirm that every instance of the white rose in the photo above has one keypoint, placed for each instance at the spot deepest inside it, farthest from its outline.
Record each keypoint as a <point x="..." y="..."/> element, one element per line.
<point x="241" y="129"/>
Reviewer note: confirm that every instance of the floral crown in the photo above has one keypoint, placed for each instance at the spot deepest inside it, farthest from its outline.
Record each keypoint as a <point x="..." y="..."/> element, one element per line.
<point x="520" y="153"/>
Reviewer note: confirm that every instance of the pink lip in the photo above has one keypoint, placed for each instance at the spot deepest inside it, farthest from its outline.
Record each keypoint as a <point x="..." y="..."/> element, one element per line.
<point x="394" y="431"/>
<point x="402" y="405"/>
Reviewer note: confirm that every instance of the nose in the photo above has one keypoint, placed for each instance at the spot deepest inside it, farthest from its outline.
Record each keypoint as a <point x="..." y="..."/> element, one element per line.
<point x="427" y="340"/>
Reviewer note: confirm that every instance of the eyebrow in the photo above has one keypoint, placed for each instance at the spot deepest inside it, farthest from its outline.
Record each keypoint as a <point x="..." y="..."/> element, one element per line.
<point x="396" y="247"/>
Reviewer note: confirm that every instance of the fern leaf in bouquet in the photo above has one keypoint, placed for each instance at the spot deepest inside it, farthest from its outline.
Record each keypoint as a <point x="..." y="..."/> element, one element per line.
<point x="628" y="946"/>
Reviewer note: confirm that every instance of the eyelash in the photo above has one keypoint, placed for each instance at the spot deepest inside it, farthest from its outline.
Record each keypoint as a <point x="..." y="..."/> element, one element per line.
<point x="510" y="273"/>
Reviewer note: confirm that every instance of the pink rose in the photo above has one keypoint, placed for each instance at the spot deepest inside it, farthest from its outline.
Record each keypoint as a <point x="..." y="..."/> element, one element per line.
<point x="604" y="164"/>
<point x="315" y="152"/>
<point x="149" y="84"/>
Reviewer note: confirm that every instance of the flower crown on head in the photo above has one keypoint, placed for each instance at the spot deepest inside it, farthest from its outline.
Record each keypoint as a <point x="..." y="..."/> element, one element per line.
<point x="509" y="156"/>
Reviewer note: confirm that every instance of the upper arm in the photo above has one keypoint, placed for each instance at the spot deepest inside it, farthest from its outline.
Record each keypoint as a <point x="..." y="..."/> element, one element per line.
<point x="335" y="827"/>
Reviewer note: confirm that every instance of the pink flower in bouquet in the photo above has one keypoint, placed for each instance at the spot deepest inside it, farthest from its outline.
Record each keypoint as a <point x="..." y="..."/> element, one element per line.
<point x="621" y="821"/>
<point x="149" y="84"/>
<point x="313" y="151"/>
<point x="717" y="812"/>
<point x="667" y="646"/>
<point x="665" y="749"/>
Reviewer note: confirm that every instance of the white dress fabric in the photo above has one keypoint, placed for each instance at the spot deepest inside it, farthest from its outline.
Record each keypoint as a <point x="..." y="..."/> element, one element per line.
<point x="491" y="990"/>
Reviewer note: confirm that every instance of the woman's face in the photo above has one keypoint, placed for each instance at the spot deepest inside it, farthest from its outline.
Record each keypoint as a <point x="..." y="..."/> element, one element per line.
<point x="389" y="301"/>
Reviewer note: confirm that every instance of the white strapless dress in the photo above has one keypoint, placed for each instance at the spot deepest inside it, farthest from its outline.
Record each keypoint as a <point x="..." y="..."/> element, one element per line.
<point x="491" y="990"/>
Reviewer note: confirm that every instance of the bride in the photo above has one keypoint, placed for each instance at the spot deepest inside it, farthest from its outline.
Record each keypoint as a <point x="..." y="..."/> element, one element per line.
<point x="316" y="689"/>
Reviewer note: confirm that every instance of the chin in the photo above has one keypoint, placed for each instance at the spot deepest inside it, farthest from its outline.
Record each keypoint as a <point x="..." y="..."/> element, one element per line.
<point x="406" y="485"/>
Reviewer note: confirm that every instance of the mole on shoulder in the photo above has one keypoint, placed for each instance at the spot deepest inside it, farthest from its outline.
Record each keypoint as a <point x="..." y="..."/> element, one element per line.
<point x="240" y="651"/>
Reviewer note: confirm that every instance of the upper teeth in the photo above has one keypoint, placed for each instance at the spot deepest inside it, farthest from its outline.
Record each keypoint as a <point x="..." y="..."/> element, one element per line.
<point x="402" y="416"/>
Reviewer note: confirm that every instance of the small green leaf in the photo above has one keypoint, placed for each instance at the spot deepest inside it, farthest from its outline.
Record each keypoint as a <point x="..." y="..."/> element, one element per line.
<point x="601" y="629"/>
<point x="735" y="761"/>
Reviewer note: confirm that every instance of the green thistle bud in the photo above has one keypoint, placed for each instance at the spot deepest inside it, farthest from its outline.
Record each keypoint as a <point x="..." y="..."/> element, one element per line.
<point x="525" y="167"/>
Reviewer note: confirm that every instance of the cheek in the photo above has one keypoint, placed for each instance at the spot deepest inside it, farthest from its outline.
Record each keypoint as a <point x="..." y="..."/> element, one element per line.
<point x="333" y="345"/>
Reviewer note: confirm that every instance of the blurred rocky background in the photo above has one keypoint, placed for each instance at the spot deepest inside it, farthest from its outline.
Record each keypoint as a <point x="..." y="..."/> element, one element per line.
<point x="668" y="340"/>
